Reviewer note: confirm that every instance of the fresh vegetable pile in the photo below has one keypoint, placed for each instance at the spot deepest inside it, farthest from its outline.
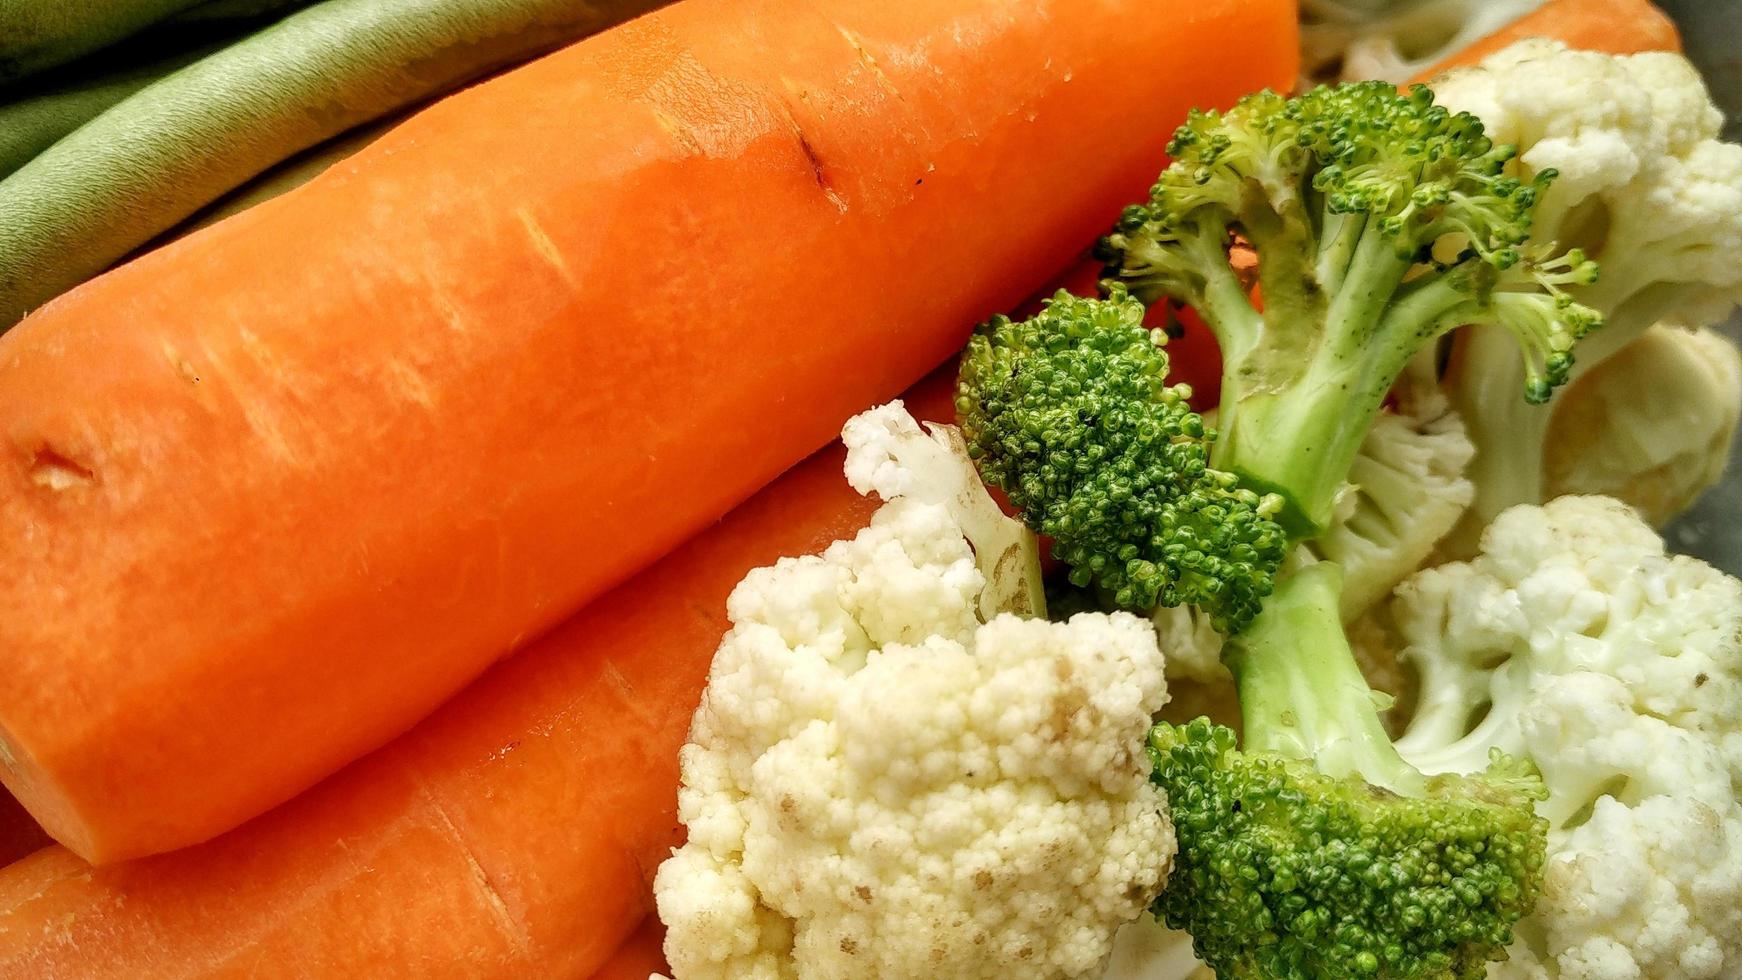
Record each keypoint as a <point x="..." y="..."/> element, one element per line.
<point x="1280" y="599"/>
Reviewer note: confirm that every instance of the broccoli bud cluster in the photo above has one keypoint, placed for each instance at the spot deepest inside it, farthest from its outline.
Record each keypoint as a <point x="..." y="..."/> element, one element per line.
<point x="1071" y="414"/>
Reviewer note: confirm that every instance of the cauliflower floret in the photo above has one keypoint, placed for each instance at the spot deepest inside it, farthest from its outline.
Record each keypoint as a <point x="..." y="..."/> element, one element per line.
<point x="1660" y="452"/>
<point x="1407" y="489"/>
<point x="878" y="784"/>
<point x="1647" y="890"/>
<point x="1645" y="187"/>
<point x="1575" y="641"/>
<point x="1394" y="40"/>
<point x="890" y="455"/>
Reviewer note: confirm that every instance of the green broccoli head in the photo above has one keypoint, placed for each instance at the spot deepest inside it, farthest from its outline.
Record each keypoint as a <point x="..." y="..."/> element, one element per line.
<point x="1380" y="221"/>
<point x="1316" y="852"/>
<point x="1070" y="413"/>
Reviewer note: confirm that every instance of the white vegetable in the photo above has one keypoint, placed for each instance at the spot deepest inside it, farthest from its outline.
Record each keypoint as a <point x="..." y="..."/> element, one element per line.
<point x="878" y="784"/>
<point x="1407" y="489"/>
<point x="888" y="455"/>
<point x="1646" y="187"/>
<point x="1651" y="426"/>
<point x="1148" y="950"/>
<point x="1575" y="641"/>
<point x="1395" y="40"/>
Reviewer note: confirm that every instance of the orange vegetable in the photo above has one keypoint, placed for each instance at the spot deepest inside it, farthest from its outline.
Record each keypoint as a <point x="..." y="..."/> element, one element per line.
<point x="273" y="492"/>
<point x="640" y="956"/>
<point x="513" y="834"/>
<point x="1614" y="26"/>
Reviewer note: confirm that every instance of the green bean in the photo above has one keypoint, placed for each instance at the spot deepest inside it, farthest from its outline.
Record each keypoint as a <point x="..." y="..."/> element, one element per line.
<point x="174" y="146"/>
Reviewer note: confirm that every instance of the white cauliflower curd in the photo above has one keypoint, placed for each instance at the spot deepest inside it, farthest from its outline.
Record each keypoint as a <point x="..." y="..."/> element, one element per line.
<point x="881" y="783"/>
<point x="1647" y="187"/>
<point x="1572" y="639"/>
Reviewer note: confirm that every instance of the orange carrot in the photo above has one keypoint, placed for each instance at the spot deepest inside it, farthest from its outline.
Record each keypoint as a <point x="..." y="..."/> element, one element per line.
<point x="1614" y="26"/>
<point x="640" y="956"/>
<point x="512" y="834"/>
<point x="273" y="492"/>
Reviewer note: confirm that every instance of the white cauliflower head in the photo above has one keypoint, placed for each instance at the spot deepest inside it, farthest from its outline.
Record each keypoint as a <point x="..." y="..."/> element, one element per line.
<point x="1651" y="426"/>
<point x="1575" y="641"/>
<point x="879" y="784"/>
<point x="1646" y="187"/>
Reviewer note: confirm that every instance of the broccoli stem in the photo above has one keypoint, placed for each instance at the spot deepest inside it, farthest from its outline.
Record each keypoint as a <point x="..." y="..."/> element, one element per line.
<point x="1302" y="694"/>
<point x="1299" y="403"/>
<point x="1299" y="442"/>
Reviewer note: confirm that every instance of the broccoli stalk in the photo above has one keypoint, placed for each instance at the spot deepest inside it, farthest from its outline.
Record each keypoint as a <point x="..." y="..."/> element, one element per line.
<point x="1316" y="851"/>
<point x="1380" y="222"/>
<point x="1303" y="696"/>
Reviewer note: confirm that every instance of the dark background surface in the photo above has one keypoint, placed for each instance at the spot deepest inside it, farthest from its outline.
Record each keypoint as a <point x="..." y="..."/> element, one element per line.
<point x="1712" y="34"/>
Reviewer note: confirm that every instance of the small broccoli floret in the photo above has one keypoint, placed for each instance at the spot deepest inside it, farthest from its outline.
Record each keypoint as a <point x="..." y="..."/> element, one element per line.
<point x="1380" y="222"/>
<point x="1070" y="413"/>
<point x="1317" y="852"/>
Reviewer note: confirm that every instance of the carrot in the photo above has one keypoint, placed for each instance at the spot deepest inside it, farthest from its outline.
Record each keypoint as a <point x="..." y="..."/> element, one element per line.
<point x="640" y="956"/>
<point x="1613" y="26"/>
<point x="513" y="834"/>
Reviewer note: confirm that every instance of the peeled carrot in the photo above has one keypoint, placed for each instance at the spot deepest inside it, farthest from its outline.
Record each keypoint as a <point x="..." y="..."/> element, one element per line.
<point x="1614" y="26"/>
<point x="513" y="834"/>
<point x="640" y="956"/>
<point x="273" y="492"/>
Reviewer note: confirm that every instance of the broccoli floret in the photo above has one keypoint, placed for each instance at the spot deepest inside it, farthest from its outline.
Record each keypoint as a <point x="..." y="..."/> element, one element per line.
<point x="1316" y="851"/>
<point x="1069" y="412"/>
<point x="1380" y="222"/>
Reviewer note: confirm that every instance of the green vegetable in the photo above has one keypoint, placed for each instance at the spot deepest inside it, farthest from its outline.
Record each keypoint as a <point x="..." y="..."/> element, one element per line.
<point x="174" y="146"/>
<point x="1070" y="414"/>
<point x="1380" y="221"/>
<point x="38" y="34"/>
<point x="1317" y="852"/>
<point x="216" y="10"/>
<point x="37" y="114"/>
<point x="288" y="175"/>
